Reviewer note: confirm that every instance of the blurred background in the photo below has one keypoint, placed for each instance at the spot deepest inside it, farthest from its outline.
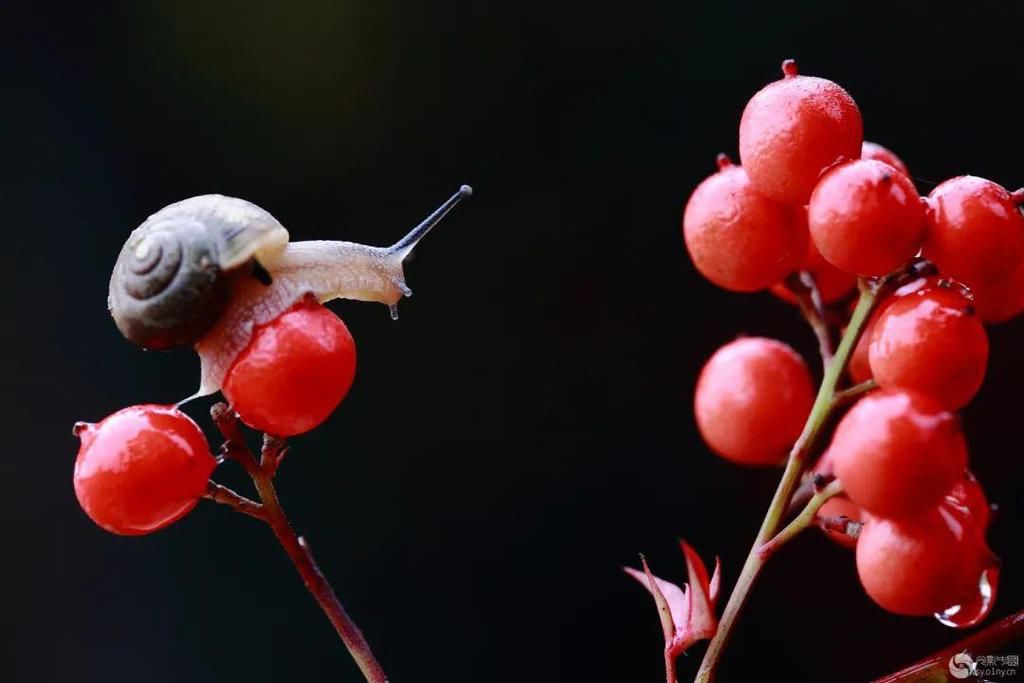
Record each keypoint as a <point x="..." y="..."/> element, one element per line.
<point x="525" y="429"/>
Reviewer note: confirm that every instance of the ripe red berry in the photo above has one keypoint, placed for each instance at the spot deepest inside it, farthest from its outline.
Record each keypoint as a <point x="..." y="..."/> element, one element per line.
<point x="919" y="565"/>
<point x="737" y="238"/>
<point x="873" y="150"/>
<point x="866" y="217"/>
<point x="141" y="468"/>
<point x="840" y="506"/>
<point x="752" y="399"/>
<point x="931" y="341"/>
<point x="1000" y="300"/>
<point x="975" y="230"/>
<point x="967" y="500"/>
<point x="833" y="284"/>
<point x="295" y="371"/>
<point x="859" y="365"/>
<point x="897" y="453"/>
<point x="794" y="129"/>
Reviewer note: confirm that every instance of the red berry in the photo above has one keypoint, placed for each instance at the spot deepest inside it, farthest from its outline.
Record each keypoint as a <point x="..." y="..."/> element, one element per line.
<point x="141" y="468"/>
<point x="833" y="284"/>
<point x="752" y="399"/>
<point x="866" y="217"/>
<point x="872" y="150"/>
<point x="840" y="506"/>
<point x="975" y="230"/>
<point x="932" y="342"/>
<point x="919" y="565"/>
<point x="859" y="365"/>
<point x="968" y="502"/>
<point x="738" y="239"/>
<point x="794" y="129"/>
<point x="295" y="371"/>
<point x="1000" y="300"/>
<point x="897" y="453"/>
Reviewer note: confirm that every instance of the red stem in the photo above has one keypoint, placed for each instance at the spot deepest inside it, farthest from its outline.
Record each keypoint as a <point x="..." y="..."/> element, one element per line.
<point x="936" y="666"/>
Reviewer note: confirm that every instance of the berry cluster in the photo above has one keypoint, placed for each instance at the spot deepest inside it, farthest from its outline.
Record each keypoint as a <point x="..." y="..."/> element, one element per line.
<point x="146" y="466"/>
<point x="813" y="210"/>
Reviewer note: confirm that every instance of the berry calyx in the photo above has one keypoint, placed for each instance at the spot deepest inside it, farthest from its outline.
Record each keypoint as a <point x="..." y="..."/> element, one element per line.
<point x="141" y="469"/>
<point x="752" y="399"/>
<point x="294" y="372"/>
<point x="794" y="129"/>
<point x="866" y="218"/>
<point x="873" y="150"/>
<point x="975" y="230"/>
<point x="919" y="565"/>
<point x="737" y="238"/>
<point x="932" y="342"/>
<point x="897" y="453"/>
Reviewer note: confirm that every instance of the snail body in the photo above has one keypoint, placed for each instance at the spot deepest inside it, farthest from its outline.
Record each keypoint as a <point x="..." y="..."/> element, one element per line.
<point x="206" y="271"/>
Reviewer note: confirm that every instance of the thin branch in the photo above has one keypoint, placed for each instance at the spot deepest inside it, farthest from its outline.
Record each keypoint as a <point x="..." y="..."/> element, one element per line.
<point x="262" y="473"/>
<point x="856" y="391"/>
<point x="225" y="496"/>
<point x="936" y="666"/>
<point x="808" y="297"/>
<point x="804" y="520"/>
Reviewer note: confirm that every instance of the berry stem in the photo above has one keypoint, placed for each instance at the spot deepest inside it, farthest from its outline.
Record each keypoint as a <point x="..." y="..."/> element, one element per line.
<point x="262" y="472"/>
<point x="808" y="297"/>
<point x="804" y="520"/>
<point x="850" y="395"/>
<point x="935" y="667"/>
<point x="824" y="404"/>
<point x="840" y="525"/>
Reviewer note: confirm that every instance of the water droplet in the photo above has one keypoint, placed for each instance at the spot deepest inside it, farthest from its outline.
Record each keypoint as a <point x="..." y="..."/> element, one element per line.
<point x="973" y="610"/>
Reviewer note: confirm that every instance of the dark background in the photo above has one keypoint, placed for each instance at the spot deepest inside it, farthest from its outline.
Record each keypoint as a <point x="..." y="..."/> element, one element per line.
<point x="525" y="429"/>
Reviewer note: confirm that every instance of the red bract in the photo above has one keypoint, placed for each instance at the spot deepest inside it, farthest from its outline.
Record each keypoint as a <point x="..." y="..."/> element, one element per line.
<point x="897" y="453"/>
<point x="752" y="399"/>
<point x="873" y="150"/>
<point x="866" y="217"/>
<point x="687" y="613"/>
<point x="932" y="342"/>
<point x="794" y="129"/>
<point x="141" y="469"/>
<point x="295" y="371"/>
<point x="737" y="238"/>
<point x="919" y="565"/>
<point x="975" y="230"/>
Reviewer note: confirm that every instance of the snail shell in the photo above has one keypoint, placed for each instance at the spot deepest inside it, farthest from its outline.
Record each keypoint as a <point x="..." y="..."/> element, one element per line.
<point x="171" y="281"/>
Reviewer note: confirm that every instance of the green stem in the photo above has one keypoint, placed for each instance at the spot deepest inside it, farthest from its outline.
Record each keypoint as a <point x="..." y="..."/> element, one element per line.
<point x="802" y="521"/>
<point x="822" y="409"/>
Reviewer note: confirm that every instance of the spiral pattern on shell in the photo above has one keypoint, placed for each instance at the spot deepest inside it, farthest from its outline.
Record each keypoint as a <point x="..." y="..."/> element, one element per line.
<point x="167" y="288"/>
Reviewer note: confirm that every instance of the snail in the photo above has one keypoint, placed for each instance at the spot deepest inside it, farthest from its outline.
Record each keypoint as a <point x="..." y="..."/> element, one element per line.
<point x="205" y="271"/>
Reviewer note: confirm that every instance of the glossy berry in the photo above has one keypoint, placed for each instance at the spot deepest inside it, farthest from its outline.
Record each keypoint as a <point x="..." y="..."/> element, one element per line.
<point x="833" y="284"/>
<point x="859" y="366"/>
<point x="975" y="230"/>
<point x="295" y="371"/>
<point x="919" y="565"/>
<point x="931" y="341"/>
<point x="737" y="238"/>
<point x="967" y="500"/>
<point x="866" y="218"/>
<point x="752" y="399"/>
<point x="840" y="506"/>
<point x="794" y="129"/>
<point x="873" y="150"/>
<point x="1000" y="300"/>
<point x="141" y="468"/>
<point x="897" y="453"/>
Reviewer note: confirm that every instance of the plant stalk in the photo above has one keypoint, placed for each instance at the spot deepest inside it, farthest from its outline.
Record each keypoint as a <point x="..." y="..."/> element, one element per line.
<point x="821" y="411"/>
